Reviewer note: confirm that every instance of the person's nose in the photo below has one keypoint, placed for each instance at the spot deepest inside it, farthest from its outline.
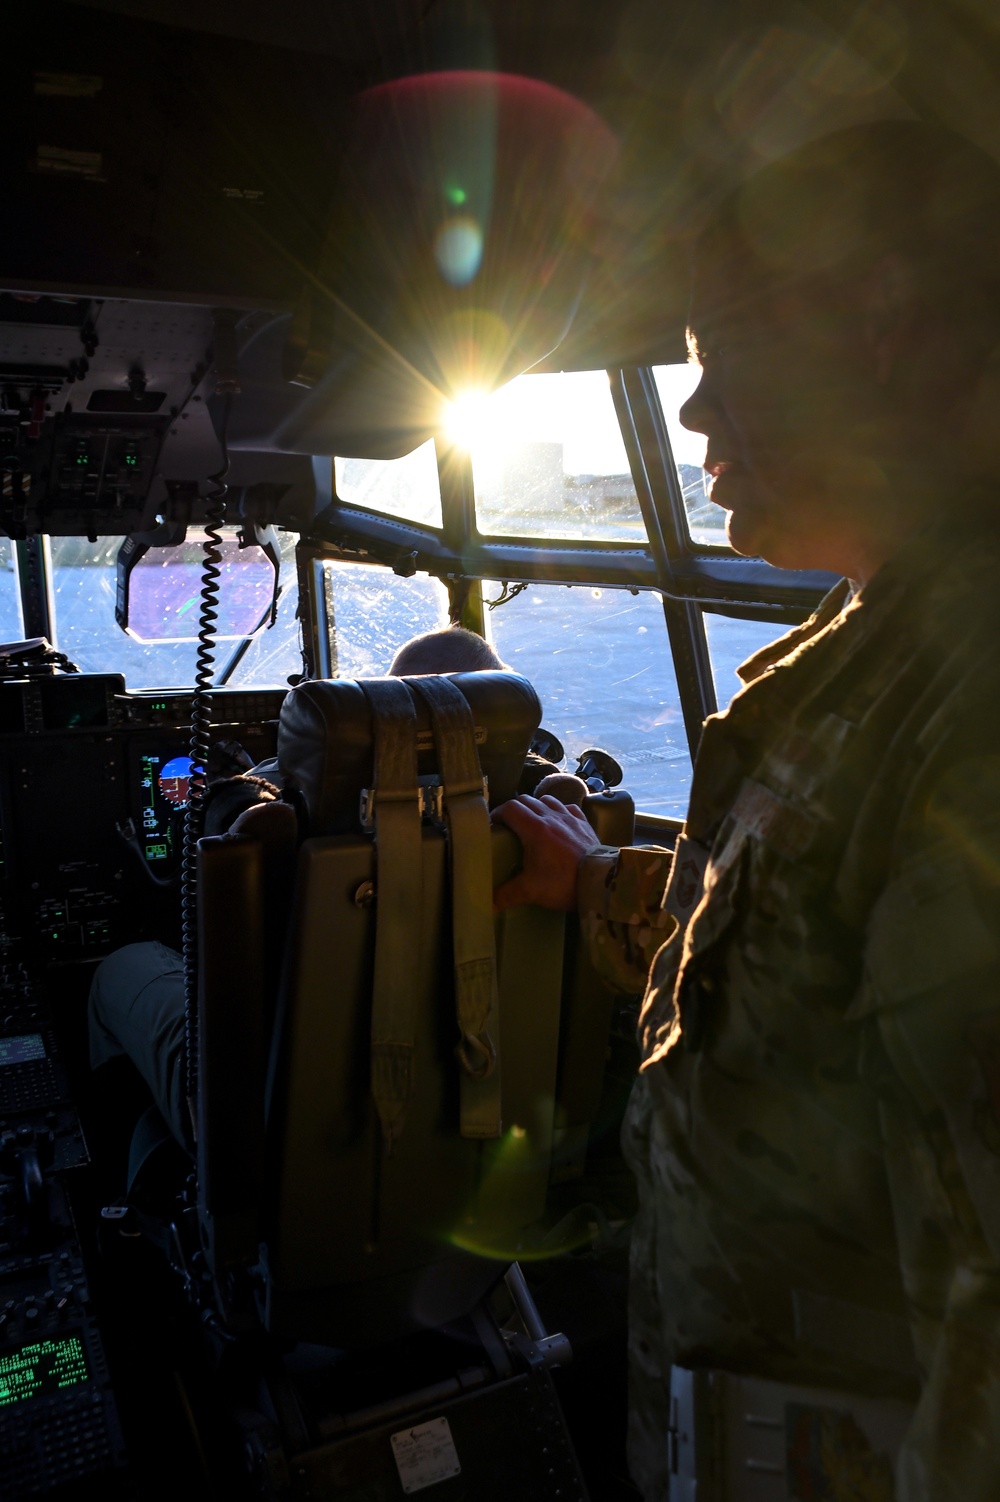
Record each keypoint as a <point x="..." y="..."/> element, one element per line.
<point x="696" y="413"/>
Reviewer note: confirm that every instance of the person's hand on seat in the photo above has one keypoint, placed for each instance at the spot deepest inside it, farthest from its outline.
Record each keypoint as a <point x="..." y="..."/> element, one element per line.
<point x="554" y="837"/>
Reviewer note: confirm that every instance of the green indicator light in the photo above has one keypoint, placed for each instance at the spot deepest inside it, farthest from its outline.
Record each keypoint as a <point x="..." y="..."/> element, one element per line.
<point x="455" y="196"/>
<point x="81" y="458"/>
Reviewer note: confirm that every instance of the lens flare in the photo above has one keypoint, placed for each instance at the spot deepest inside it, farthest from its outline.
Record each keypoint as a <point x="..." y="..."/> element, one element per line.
<point x="467" y="419"/>
<point x="458" y="250"/>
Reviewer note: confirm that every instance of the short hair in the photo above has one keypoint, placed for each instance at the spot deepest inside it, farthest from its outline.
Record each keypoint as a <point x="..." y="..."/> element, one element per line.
<point x="451" y="650"/>
<point x="833" y="207"/>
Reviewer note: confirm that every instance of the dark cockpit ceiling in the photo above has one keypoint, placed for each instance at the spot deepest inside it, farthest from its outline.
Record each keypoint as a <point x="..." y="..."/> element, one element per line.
<point x="171" y="158"/>
<point x="698" y="91"/>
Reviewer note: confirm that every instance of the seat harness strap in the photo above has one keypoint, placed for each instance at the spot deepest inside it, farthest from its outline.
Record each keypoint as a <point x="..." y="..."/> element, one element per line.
<point x="399" y="870"/>
<point x="471" y="867"/>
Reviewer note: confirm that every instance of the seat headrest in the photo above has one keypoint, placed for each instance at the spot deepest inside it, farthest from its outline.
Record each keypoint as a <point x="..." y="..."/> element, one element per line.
<point x="326" y="744"/>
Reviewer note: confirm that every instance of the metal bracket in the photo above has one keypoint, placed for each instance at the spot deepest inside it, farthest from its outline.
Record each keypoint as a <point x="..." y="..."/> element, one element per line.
<point x="542" y="1349"/>
<point x="430" y="796"/>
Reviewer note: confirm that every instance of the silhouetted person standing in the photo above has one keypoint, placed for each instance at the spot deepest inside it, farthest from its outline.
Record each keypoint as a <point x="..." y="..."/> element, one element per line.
<point x="816" y="1125"/>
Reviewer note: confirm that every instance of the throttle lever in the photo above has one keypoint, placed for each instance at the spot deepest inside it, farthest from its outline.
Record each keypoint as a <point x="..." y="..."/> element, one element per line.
<point x="21" y="1154"/>
<point x="32" y="1183"/>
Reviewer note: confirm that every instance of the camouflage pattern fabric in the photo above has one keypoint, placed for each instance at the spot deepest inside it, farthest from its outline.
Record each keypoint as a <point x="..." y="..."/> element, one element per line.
<point x="620" y="897"/>
<point x="816" y="1125"/>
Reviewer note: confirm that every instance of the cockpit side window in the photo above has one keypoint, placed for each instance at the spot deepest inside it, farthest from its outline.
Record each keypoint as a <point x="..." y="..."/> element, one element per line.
<point x="408" y="488"/>
<point x="11" y="625"/>
<point x="600" y="661"/>
<point x="548" y="460"/>
<point x="730" y="642"/>
<point x="705" y="521"/>
<point x="372" y="611"/>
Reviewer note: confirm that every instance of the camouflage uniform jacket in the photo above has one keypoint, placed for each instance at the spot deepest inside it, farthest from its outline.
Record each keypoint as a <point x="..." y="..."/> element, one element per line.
<point x="816" y="1125"/>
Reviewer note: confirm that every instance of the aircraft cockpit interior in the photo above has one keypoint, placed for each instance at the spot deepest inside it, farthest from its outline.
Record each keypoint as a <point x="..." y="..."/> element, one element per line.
<point x="323" y="328"/>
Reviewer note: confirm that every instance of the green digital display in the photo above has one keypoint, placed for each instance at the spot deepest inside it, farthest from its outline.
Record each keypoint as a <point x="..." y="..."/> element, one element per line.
<point x="164" y="784"/>
<point x="45" y="1366"/>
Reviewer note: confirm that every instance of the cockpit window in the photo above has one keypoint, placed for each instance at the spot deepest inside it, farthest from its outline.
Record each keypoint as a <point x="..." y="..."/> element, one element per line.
<point x="274" y="654"/>
<point x="600" y="662"/>
<point x="548" y="460"/>
<point x="706" y="521"/>
<point x="732" y="641"/>
<point x="83" y="588"/>
<point x="11" y="626"/>
<point x="408" y="488"/>
<point x="372" y="611"/>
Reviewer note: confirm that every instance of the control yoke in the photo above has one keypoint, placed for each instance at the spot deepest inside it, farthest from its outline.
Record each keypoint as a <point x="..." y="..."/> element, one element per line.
<point x="598" y="770"/>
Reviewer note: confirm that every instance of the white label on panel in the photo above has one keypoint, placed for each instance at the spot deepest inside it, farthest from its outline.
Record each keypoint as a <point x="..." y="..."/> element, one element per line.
<point x="425" y="1455"/>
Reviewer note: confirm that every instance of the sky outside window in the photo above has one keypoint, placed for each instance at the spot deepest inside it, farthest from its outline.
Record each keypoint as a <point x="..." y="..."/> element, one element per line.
<point x="706" y="521"/>
<point x="548" y="460"/>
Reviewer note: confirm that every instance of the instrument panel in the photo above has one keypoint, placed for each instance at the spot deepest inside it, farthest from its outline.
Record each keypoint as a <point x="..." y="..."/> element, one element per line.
<point x="94" y="782"/>
<point x="93" y="787"/>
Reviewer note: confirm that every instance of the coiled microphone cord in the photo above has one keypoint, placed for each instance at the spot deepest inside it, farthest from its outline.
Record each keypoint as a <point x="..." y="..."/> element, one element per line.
<point x="201" y="714"/>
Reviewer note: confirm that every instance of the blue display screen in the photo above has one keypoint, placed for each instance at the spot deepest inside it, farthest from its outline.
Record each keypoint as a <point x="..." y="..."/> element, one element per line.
<point x="164" y="783"/>
<point x="22" y="1050"/>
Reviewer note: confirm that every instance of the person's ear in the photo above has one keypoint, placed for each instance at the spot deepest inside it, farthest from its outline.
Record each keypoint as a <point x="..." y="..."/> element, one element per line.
<point x="890" y="309"/>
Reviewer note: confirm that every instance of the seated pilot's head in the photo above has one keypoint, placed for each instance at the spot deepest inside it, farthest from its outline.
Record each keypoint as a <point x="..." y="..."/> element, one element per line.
<point x="451" y="650"/>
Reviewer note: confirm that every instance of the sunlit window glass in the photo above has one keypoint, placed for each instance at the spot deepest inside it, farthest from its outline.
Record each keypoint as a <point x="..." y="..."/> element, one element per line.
<point x="600" y="661"/>
<point x="731" y="642"/>
<point x="372" y="611"/>
<point x="706" y="521"/>
<point x="272" y="655"/>
<point x="408" y="488"/>
<point x="548" y="459"/>
<point x="83" y="581"/>
<point x="83" y="584"/>
<point x="11" y="625"/>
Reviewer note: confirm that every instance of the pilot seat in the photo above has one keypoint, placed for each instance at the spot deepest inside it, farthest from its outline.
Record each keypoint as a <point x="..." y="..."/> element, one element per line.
<point x="379" y="1077"/>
